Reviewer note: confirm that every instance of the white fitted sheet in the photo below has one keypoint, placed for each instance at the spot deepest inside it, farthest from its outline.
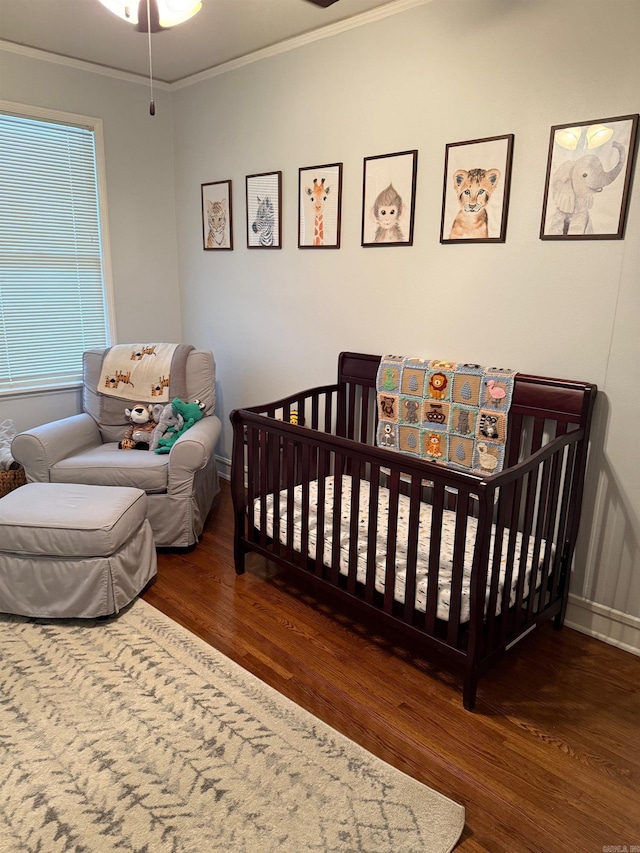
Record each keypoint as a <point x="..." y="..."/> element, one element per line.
<point x="446" y="549"/>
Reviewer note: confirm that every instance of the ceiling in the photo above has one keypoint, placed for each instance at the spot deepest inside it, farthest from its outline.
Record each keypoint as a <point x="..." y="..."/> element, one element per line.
<point x="223" y="31"/>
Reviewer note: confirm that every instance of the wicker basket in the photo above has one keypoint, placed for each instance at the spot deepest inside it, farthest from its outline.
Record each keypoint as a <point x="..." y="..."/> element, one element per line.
<point x="10" y="480"/>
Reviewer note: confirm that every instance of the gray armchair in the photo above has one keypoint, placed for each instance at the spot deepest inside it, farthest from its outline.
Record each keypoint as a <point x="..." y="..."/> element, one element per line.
<point x="180" y="485"/>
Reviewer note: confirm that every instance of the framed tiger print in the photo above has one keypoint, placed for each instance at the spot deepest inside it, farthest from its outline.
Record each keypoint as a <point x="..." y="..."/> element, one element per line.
<point x="217" y="230"/>
<point x="264" y="202"/>
<point x="475" y="197"/>
<point x="319" y="206"/>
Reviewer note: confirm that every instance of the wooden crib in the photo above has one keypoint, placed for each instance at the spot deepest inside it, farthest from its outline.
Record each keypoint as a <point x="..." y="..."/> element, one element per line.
<point x="468" y="564"/>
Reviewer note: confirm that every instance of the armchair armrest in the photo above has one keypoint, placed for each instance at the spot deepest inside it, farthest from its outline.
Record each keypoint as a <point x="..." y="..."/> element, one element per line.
<point x="192" y="452"/>
<point x="39" y="448"/>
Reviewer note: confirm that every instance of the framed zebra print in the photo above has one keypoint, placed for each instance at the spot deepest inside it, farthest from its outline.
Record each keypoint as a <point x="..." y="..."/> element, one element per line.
<point x="264" y="200"/>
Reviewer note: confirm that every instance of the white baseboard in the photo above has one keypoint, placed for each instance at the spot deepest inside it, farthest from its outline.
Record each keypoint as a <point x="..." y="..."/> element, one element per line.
<point x="604" y="623"/>
<point x="224" y="467"/>
<point x="596" y="620"/>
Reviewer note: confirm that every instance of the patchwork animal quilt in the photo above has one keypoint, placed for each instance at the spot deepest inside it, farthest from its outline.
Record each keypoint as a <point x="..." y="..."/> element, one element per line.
<point x="450" y="413"/>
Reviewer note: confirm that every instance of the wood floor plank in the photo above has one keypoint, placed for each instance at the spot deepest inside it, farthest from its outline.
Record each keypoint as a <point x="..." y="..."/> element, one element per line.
<point x="548" y="762"/>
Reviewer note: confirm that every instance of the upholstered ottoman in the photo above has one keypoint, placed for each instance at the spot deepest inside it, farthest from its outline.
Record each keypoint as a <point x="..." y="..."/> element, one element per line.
<point x="73" y="551"/>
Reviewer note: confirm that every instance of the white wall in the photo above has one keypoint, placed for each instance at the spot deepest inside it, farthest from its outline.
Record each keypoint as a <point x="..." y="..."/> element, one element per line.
<point x="140" y="195"/>
<point x="448" y="71"/>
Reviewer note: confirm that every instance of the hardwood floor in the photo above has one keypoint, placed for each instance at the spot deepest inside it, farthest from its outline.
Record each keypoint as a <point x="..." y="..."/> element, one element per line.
<point x="549" y="762"/>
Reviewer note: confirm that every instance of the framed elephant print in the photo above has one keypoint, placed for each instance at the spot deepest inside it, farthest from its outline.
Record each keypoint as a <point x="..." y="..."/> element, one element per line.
<point x="588" y="183"/>
<point x="475" y="198"/>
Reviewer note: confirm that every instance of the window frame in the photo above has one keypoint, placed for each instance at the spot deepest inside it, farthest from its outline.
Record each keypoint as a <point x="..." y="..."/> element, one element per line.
<point x="95" y="125"/>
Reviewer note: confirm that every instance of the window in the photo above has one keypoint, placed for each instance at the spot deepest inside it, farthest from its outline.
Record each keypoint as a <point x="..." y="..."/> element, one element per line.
<point x="55" y="301"/>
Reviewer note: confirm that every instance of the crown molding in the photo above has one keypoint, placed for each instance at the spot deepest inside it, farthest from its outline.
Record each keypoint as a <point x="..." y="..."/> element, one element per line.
<point x="330" y="30"/>
<point x="80" y="64"/>
<point x="374" y="15"/>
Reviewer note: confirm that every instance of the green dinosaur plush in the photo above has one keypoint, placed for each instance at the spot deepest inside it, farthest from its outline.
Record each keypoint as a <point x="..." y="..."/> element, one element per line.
<point x="190" y="413"/>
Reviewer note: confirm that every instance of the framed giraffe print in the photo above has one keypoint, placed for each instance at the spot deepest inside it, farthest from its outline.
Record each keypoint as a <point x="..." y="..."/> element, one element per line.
<point x="389" y="199"/>
<point x="217" y="231"/>
<point x="264" y="203"/>
<point x="319" y="206"/>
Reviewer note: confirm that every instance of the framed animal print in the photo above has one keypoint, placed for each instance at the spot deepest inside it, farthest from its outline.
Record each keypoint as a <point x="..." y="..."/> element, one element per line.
<point x="389" y="199"/>
<point x="589" y="167"/>
<point x="475" y="197"/>
<point x="217" y="231"/>
<point x="264" y="194"/>
<point x="319" y="206"/>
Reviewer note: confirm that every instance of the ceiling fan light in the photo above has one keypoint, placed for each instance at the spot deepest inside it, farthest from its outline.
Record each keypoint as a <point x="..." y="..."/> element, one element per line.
<point x="174" y="12"/>
<point x="598" y="134"/>
<point x="170" y="12"/>
<point x="568" y="137"/>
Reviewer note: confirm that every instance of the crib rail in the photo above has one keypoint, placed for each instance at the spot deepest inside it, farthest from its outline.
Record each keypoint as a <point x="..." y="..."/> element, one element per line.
<point x="312" y="491"/>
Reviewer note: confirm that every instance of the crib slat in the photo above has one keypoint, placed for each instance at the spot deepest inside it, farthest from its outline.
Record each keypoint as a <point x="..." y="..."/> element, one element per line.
<point x="276" y="481"/>
<point x="364" y="416"/>
<point x="527" y="490"/>
<point x="305" y="451"/>
<point x="496" y="558"/>
<point x="514" y="439"/>
<point x="538" y="433"/>
<point x="510" y="615"/>
<point x="550" y="523"/>
<point x="460" y="541"/>
<point x="392" y="537"/>
<point x="372" y="533"/>
<point x="323" y="473"/>
<point x="536" y="600"/>
<point x="354" y="526"/>
<point x="264" y="487"/>
<point x="564" y="518"/>
<point x="288" y="464"/>
<point x="412" y="548"/>
<point x="336" y="519"/>
<point x="315" y="405"/>
<point x="437" y="509"/>
<point x="251" y="441"/>
<point x="328" y="413"/>
<point x="351" y="420"/>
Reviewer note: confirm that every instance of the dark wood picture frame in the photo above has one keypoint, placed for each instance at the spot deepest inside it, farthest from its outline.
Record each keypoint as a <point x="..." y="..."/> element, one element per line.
<point x="264" y="210"/>
<point x="217" y="216"/>
<point x="588" y="181"/>
<point x="319" y="206"/>
<point x="389" y="199"/>
<point x="475" y="193"/>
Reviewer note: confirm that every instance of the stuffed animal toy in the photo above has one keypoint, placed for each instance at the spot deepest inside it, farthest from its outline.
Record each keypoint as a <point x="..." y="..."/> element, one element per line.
<point x="190" y="412"/>
<point x="169" y="422"/>
<point x="142" y="424"/>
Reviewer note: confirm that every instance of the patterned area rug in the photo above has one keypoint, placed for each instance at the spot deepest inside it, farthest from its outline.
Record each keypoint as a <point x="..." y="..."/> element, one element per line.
<point x="131" y="734"/>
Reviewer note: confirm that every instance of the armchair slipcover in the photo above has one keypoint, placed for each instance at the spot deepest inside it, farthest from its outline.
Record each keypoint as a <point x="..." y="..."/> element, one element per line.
<point x="180" y="485"/>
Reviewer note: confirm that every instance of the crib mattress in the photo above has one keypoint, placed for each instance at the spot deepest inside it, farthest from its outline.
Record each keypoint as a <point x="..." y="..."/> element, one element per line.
<point x="422" y="564"/>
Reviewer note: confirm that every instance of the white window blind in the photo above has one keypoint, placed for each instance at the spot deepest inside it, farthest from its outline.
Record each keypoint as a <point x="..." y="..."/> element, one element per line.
<point x="52" y="293"/>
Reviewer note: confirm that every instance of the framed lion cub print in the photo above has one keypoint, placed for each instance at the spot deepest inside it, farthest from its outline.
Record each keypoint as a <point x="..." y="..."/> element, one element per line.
<point x="475" y="197"/>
